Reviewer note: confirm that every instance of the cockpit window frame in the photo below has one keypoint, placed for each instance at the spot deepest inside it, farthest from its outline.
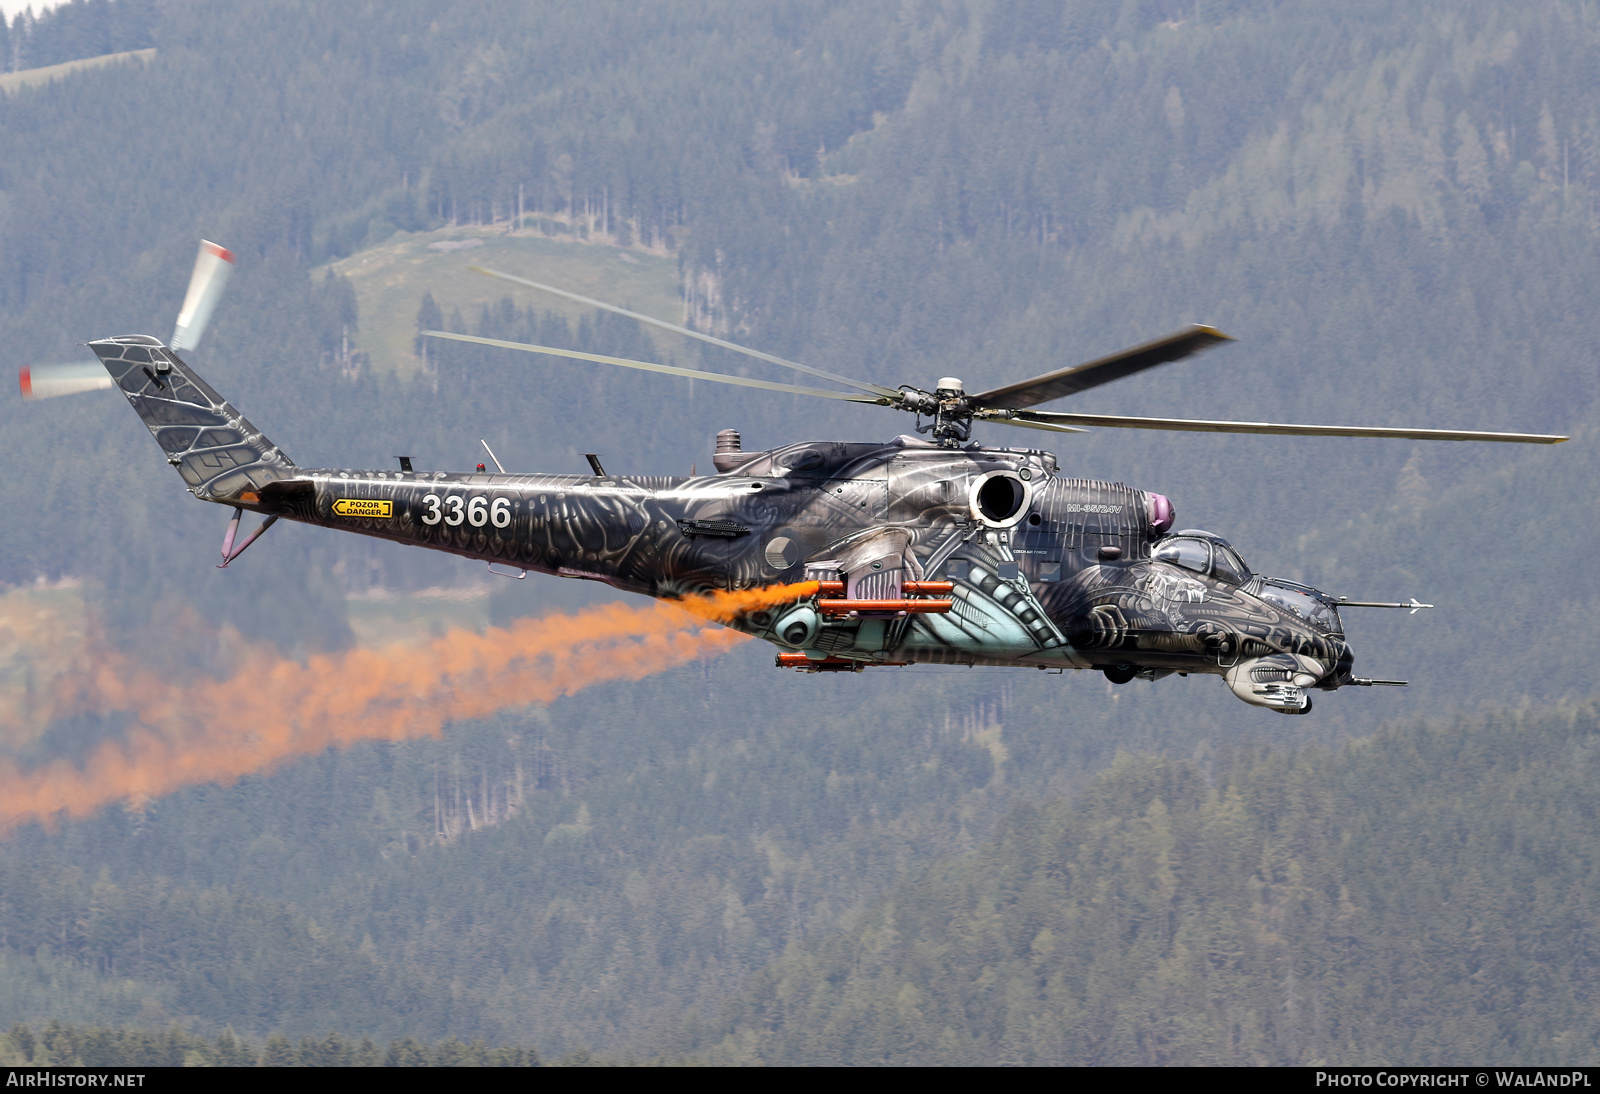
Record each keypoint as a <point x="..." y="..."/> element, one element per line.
<point x="1225" y="556"/>
<point x="1174" y="545"/>
<point x="1223" y="563"/>
<point x="1324" y="617"/>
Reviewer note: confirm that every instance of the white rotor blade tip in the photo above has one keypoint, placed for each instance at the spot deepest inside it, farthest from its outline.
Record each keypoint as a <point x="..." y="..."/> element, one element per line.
<point x="49" y="381"/>
<point x="212" y="268"/>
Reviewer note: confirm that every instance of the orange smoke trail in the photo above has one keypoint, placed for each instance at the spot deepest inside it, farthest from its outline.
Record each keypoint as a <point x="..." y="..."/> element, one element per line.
<point x="206" y="730"/>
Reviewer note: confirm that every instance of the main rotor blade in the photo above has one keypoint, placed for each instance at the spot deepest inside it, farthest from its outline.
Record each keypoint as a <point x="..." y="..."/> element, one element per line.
<point x="1190" y="425"/>
<point x="1070" y="381"/>
<point x="686" y="332"/>
<point x="670" y="370"/>
<point x="1025" y="424"/>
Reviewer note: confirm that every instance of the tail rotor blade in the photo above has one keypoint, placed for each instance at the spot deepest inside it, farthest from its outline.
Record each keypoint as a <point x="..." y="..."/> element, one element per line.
<point x="211" y="272"/>
<point x="48" y="381"/>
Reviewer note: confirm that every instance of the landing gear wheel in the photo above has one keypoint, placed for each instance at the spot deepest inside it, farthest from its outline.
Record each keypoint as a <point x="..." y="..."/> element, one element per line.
<point x="1120" y="673"/>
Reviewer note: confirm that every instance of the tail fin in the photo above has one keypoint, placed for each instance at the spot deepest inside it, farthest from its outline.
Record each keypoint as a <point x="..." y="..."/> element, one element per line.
<point x="221" y="456"/>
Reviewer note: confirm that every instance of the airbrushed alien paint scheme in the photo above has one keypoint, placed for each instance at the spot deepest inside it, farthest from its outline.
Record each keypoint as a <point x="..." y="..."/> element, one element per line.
<point x="968" y="556"/>
<point x="922" y="551"/>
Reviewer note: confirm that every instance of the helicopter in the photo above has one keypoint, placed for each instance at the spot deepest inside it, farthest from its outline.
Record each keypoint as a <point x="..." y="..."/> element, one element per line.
<point x="926" y="549"/>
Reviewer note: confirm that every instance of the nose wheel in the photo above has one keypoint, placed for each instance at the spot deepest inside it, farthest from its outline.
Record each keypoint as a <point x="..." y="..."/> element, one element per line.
<point x="1120" y="673"/>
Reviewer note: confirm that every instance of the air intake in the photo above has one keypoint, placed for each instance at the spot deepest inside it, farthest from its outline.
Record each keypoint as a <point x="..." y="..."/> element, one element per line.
<point x="729" y="454"/>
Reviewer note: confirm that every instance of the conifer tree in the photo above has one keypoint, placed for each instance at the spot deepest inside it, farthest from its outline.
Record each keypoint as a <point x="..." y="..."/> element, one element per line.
<point x="278" y="1052"/>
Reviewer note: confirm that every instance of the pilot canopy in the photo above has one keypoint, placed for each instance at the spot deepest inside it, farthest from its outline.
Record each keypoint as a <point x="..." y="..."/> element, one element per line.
<point x="1204" y="553"/>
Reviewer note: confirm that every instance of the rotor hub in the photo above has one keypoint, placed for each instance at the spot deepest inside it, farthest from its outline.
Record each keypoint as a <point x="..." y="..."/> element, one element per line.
<point x="949" y="408"/>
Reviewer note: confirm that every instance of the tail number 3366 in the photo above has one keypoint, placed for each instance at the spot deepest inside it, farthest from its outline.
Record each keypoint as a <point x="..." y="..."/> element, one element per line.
<point x="478" y="511"/>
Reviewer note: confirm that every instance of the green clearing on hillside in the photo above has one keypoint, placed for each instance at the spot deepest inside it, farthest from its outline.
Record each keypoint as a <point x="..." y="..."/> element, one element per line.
<point x="42" y="643"/>
<point x="389" y="281"/>
<point x="33" y="77"/>
<point x="46" y="640"/>
<point x="386" y="618"/>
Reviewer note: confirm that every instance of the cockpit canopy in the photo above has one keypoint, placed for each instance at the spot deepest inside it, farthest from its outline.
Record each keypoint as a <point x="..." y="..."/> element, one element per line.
<point x="1305" y="602"/>
<point x="1204" y="553"/>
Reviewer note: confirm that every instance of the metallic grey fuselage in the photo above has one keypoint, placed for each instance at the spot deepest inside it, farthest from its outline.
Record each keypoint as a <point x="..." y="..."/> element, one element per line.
<point x="1058" y="576"/>
<point x="1065" y="606"/>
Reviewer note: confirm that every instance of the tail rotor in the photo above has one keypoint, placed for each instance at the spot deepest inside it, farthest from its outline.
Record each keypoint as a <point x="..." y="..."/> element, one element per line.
<point x="212" y="268"/>
<point x="48" y="381"/>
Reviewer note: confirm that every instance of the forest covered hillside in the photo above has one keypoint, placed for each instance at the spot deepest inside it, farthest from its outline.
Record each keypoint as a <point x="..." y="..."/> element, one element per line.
<point x="1394" y="211"/>
<point x="1425" y="896"/>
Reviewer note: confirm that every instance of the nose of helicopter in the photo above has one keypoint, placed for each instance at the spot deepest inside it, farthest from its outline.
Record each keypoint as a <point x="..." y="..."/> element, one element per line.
<point x="1305" y="651"/>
